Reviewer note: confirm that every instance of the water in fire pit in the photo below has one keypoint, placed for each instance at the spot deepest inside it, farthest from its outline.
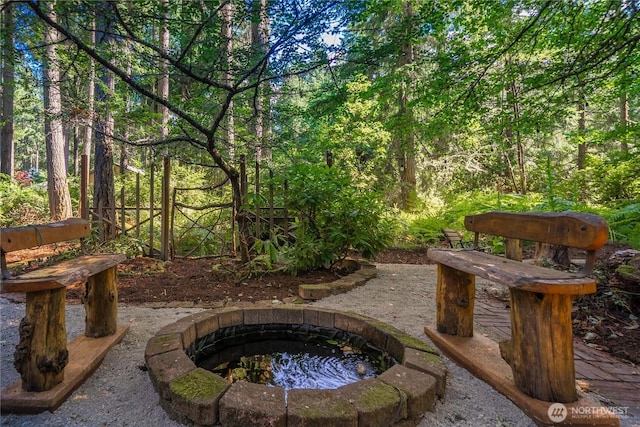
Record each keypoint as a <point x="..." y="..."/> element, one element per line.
<point x="322" y="359"/>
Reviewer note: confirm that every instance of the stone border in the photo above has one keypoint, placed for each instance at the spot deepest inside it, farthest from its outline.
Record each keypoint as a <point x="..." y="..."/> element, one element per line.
<point x="363" y="271"/>
<point x="192" y="395"/>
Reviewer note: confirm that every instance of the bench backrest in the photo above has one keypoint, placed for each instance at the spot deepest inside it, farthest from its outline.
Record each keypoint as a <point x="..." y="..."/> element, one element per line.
<point x="577" y="230"/>
<point x="31" y="236"/>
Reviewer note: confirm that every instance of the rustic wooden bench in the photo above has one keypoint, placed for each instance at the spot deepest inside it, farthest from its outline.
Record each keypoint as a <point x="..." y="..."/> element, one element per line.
<point x="540" y="352"/>
<point x="45" y="363"/>
<point x="454" y="239"/>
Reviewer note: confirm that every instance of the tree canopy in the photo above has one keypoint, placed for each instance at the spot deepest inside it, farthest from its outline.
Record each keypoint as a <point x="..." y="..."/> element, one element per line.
<point x="413" y="98"/>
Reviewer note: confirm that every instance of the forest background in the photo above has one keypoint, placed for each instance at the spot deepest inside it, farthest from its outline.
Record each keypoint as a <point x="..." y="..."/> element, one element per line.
<point x="426" y="110"/>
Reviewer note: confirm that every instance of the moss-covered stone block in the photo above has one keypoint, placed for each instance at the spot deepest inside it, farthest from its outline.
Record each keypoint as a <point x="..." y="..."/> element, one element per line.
<point x="320" y="408"/>
<point x="164" y="368"/>
<point x="378" y="404"/>
<point x="248" y="404"/>
<point x="186" y="327"/>
<point x="196" y="394"/>
<point x="428" y="363"/>
<point x="162" y="344"/>
<point x="419" y="387"/>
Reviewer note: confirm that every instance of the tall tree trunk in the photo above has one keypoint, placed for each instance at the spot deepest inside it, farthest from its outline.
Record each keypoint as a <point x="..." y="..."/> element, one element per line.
<point x="163" y="91"/>
<point x="103" y="183"/>
<point x="582" y="128"/>
<point x="59" y="197"/>
<point x="259" y="29"/>
<point x="227" y="49"/>
<point x="7" y="158"/>
<point x="515" y="138"/>
<point x="405" y="137"/>
<point x="91" y="98"/>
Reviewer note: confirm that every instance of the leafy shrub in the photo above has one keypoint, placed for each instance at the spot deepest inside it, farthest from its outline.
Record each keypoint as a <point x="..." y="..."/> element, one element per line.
<point x="334" y="217"/>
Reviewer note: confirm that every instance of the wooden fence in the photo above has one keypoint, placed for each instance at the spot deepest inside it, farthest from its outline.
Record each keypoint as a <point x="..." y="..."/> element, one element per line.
<point x="267" y="210"/>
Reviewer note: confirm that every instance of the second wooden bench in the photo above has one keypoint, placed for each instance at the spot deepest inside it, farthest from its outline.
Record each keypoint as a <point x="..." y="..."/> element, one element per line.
<point x="540" y="351"/>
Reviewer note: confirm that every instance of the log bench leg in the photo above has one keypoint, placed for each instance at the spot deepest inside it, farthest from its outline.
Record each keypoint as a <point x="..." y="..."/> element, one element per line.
<point x="455" y="296"/>
<point x="41" y="354"/>
<point x="101" y="304"/>
<point x="540" y="351"/>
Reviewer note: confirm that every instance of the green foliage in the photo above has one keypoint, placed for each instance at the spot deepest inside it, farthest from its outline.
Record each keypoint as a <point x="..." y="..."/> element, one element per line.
<point x="335" y="216"/>
<point x="624" y="224"/>
<point x="415" y="229"/>
<point x="22" y="205"/>
<point x="604" y="180"/>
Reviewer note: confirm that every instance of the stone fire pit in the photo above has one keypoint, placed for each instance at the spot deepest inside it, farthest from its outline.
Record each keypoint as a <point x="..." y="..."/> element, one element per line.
<point x="193" y="395"/>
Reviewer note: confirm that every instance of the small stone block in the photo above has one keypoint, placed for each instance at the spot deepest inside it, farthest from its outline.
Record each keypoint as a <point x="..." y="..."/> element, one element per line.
<point x="363" y="327"/>
<point x="206" y="323"/>
<point x="164" y="368"/>
<point x="319" y="317"/>
<point x="288" y="315"/>
<point x="195" y="395"/>
<point x="248" y="404"/>
<point x="378" y="404"/>
<point x="256" y="316"/>
<point x="357" y="279"/>
<point x="314" y="292"/>
<point x="162" y="344"/>
<point x="343" y="285"/>
<point x="320" y="408"/>
<point x="368" y="271"/>
<point x="185" y="327"/>
<point x="419" y="387"/>
<point x="230" y="316"/>
<point x="428" y="363"/>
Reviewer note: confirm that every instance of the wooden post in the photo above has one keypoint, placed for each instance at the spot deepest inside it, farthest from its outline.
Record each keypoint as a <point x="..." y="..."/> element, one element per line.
<point x="256" y="206"/>
<point x="455" y="296"/>
<point x="152" y="208"/>
<point x="540" y="351"/>
<point x="41" y="354"/>
<point x="84" y="186"/>
<point x="101" y="304"/>
<point x="513" y="249"/>
<point x="285" y="210"/>
<point x="166" y="205"/>
<point x="137" y="205"/>
<point x="243" y="178"/>
<point x="123" y="219"/>
<point x="271" y="212"/>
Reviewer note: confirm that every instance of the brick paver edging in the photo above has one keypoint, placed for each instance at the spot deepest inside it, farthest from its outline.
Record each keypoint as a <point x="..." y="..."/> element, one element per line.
<point x="194" y="395"/>
<point x="364" y="271"/>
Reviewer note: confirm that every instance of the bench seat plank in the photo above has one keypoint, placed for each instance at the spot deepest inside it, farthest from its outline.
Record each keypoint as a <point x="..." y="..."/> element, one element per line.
<point x="514" y="274"/>
<point x="62" y="274"/>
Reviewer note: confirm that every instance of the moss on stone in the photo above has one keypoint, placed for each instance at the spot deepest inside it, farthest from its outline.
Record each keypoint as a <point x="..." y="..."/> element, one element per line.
<point x="409" y="341"/>
<point x="431" y="357"/>
<point x="377" y="395"/>
<point x="164" y="339"/>
<point x="198" y="384"/>
<point x="627" y="271"/>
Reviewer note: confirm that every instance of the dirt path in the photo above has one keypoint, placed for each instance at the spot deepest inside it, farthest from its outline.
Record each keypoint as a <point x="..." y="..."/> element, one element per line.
<point x="120" y="394"/>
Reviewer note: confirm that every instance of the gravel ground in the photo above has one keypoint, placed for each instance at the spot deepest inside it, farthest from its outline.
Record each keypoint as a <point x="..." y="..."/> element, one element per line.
<point x="119" y="393"/>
